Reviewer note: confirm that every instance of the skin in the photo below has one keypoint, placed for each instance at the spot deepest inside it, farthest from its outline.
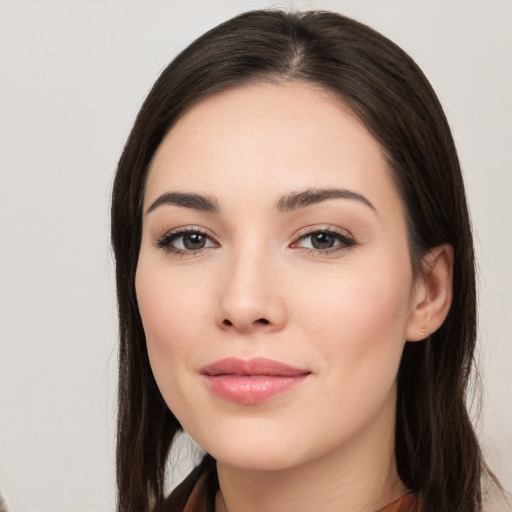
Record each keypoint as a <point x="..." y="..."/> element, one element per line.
<point x="259" y="289"/>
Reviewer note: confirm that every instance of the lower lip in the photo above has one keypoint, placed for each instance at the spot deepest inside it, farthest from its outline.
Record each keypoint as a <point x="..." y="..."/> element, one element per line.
<point x="251" y="389"/>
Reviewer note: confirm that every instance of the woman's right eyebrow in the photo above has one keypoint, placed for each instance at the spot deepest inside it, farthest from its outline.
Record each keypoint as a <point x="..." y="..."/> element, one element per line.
<point x="188" y="200"/>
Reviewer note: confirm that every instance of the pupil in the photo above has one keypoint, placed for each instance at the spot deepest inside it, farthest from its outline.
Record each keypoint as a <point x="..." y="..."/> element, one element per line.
<point x="193" y="241"/>
<point x="322" y="241"/>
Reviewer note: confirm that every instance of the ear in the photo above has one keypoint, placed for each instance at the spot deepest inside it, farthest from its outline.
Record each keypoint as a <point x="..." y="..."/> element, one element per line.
<point x="432" y="296"/>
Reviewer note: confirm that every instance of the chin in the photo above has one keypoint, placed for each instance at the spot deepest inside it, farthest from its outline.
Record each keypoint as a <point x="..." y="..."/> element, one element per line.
<point x="266" y="447"/>
<point x="256" y="458"/>
<point x="251" y="447"/>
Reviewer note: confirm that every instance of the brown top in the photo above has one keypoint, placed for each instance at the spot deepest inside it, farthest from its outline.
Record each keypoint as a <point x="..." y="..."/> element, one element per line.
<point x="197" y="493"/>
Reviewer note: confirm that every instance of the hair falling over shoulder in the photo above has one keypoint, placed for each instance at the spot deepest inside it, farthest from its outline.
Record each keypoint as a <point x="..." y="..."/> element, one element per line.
<point x="437" y="452"/>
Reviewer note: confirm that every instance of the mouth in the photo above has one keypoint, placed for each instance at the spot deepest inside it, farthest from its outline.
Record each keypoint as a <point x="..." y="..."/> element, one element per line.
<point x="251" y="382"/>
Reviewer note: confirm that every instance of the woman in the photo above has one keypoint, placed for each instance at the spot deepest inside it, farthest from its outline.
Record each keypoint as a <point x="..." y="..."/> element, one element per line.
<point x="295" y="278"/>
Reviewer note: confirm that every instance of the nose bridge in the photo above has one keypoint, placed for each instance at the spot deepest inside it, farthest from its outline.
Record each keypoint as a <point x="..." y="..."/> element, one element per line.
<point x="248" y="295"/>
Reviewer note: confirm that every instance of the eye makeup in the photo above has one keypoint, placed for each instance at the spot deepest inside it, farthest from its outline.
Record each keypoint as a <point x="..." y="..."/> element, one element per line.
<point x="186" y="241"/>
<point x="324" y="240"/>
<point x="192" y="241"/>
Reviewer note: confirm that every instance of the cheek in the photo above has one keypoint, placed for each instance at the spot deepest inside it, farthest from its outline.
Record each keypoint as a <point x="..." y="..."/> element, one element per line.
<point x="357" y="292"/>
<point x="166" y="300"/>
<point x="358" y="316"/>
<point x="356" y="324"/>
<point x="173" y="313"/>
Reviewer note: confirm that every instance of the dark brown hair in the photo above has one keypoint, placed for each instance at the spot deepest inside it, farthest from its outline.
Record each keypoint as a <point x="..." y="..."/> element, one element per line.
<point x="437" y="452"/>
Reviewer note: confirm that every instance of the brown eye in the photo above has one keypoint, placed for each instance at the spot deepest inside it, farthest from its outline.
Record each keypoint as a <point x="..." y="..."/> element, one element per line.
<point x="194" y="241"/>
<point x="324" y="240"/>
<point x="185" y="242"/>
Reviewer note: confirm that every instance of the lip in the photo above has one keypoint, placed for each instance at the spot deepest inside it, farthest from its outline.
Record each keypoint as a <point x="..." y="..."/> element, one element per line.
<point x="251" y="381"/>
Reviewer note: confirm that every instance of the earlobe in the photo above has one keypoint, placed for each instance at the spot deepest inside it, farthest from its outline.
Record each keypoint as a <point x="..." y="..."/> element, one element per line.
<point x="433" y="294"/>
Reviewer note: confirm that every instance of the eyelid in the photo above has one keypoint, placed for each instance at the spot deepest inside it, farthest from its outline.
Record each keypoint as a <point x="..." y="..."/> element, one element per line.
<point x="346" y="238"/>
<point x="163" y="242"/>
<point x="323" y="228"/>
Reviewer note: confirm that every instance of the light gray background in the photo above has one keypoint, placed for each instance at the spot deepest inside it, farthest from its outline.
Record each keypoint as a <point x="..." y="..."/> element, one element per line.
<point x="72" y="77"/>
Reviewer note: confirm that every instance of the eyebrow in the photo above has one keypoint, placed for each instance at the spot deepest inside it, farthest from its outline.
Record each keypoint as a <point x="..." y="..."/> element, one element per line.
<point x="309" y="197"/>
<point x="194" y="201"/>
<point x="290" y="202"/>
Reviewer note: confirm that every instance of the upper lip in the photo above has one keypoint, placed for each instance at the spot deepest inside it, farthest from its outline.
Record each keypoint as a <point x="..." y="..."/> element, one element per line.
<point x="255" y="366"/>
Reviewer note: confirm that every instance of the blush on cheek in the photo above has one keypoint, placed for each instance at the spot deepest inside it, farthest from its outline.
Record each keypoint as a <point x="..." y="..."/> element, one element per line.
<point x="164" y="303"/>
<point x="172" y="317"/>
<point x="362" y="322"/>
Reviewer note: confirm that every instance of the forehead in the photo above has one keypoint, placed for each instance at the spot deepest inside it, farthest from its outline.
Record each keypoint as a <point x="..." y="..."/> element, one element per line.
<point x="267" y="139"/>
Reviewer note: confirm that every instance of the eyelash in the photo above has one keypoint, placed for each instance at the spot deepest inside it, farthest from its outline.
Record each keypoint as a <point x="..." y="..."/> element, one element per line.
<point x="342" y="241"/>
<point x="165" y="242"/>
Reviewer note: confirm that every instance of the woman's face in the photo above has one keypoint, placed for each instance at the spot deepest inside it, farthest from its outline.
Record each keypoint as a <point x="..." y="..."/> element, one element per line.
<point x="274" y="277"/>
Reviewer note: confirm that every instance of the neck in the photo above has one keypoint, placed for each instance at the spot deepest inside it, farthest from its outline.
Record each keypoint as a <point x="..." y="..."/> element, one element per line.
<point x="360" y="476"/>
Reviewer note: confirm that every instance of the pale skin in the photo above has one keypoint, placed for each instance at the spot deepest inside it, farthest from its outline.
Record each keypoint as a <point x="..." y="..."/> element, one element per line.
<point x="257" y="283"/>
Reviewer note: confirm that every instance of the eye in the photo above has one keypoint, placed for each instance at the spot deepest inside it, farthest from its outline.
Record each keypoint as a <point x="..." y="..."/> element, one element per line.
<point x="189" y="241"/>
<point x="323" y="240"/>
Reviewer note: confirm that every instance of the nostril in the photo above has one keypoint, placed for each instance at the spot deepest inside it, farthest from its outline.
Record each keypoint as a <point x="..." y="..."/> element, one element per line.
<point x="229" y="323"/>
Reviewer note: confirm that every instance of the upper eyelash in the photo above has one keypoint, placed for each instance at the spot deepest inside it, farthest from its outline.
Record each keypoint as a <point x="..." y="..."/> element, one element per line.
<point x="347" y="241"/>
<point x="164" y="241"/>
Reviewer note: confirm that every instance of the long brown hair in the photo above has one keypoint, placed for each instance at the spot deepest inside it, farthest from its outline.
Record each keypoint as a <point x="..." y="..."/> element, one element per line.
<point x="437" y="453"/>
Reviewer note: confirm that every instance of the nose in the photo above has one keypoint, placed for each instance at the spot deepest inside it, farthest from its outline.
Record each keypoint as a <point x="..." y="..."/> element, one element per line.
<point x="250" y="297"/>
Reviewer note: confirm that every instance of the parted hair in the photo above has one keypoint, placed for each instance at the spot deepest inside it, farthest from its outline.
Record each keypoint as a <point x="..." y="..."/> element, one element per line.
<point x="437" y="453"/>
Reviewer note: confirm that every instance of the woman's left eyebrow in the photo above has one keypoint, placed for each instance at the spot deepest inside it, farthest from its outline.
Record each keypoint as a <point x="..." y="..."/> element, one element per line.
<point x="308" y="197"/>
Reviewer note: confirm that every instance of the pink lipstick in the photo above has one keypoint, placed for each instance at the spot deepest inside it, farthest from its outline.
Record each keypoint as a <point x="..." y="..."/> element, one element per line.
<point x="253" y="381"/>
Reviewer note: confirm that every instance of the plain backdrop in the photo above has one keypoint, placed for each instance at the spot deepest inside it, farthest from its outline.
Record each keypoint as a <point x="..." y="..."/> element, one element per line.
<point x="72" y="77"/>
